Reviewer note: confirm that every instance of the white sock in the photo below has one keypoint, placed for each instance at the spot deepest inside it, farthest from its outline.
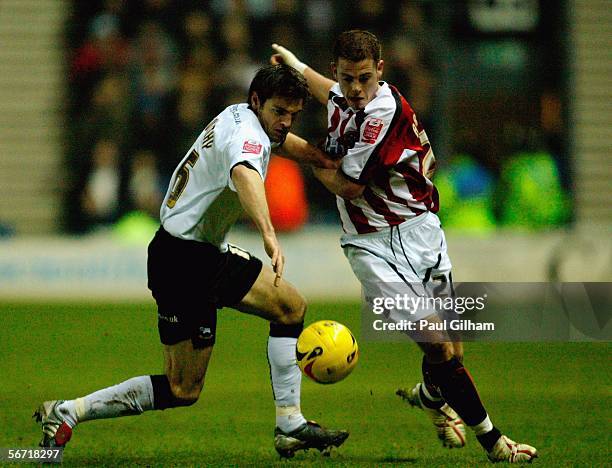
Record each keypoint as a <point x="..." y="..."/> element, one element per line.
<point x="286" y="382"/>
<point x="482" y="428"/>
<point x="128" y="398"/>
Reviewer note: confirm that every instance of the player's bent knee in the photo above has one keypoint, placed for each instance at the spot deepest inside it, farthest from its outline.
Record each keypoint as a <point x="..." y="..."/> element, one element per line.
<point x="286" y="319"/>
<point x="292" y="312"/>
<point x="298" y="310"/>
<point x="185" y="395"/>
<point x="439" y="351"/>
<point x="170" y="395"/>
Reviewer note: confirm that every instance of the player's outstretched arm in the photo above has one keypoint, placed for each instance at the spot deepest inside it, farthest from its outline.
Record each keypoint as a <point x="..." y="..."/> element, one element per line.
<point x="319" y="85"/>
<point x="298" y="149"/>
<point x="252" y="196"/>
<point x="337" y="183"/>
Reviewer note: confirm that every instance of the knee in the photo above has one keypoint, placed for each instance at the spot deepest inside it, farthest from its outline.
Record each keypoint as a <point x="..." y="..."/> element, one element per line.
<point x="458" y="351"/>
<point x="438" y="352"/>
<point x="186" y="394"/>
<point x="292" y="312"/>
<point x="299" y="310"/>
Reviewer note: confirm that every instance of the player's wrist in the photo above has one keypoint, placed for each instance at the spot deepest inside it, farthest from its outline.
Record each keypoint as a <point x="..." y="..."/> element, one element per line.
<point x="268" y="231"/>
<point x="299" y="66"/>
<point x="289" y="58"/>
<point x="295" y="63"/>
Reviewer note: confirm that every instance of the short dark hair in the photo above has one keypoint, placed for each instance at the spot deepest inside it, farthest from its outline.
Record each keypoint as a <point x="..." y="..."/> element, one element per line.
<point x="357" y="45"/>
<point x="278" y="80"/>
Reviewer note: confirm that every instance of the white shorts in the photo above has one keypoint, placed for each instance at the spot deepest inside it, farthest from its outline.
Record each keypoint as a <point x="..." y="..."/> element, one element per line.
<point x="405" y="260"/>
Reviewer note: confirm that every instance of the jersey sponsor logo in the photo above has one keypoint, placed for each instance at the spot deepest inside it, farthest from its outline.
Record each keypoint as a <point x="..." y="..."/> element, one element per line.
<point x="167" y="318"/>
<point x="251" y="146"/>
<point x="372" y="130"/>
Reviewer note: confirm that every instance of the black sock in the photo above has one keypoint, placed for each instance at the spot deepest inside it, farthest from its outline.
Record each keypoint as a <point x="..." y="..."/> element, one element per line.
<point x="433" y="391"/>
<point x="278" y="330"/>
<point x="162" y="393"/>
<point x="457" y="388"/>
<point x="488" y="440"/>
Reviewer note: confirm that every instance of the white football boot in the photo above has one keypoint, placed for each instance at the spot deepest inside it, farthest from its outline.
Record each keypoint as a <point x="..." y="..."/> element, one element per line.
<point x="506" y="450"/>
<point x="56" y="432"/>
<point x="449" y="426"/>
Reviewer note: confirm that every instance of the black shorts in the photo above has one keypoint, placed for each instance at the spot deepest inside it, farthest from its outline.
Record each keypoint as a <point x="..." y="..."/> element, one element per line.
<point x="190" y="280"/>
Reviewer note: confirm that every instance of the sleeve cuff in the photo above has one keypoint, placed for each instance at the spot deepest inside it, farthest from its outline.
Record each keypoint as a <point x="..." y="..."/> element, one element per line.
<point x="349" y="178"/>
<point x="243" y="163"/>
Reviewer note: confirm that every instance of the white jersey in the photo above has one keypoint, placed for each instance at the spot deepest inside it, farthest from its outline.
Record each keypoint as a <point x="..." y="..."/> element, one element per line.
<point x="385" y="148"/>
<point x="201" y="203"/>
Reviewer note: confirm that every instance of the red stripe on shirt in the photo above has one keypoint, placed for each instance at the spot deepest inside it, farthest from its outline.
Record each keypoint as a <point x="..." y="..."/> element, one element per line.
<point x="383" y="180"/>
<point x="344" y="123"/>
<point x="358" y="218"/>
<point x="379" y="206"/>
<point x="418" y="185"/>
<point x="334" y="121"/>
<point x="399" y="136"/>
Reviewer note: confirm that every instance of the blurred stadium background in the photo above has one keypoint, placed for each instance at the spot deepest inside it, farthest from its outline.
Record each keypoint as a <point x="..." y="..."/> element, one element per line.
<point x="100" y="100"/>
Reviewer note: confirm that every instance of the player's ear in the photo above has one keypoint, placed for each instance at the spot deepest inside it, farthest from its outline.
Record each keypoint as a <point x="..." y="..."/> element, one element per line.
<point x="254" y="101"/>
<point x="379" y="68"/>
<point x="334" y="69"/>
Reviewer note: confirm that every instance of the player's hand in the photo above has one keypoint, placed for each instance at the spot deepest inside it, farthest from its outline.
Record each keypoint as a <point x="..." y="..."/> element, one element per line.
<point x="273" y="250"/>
<point x="287" y="57"/>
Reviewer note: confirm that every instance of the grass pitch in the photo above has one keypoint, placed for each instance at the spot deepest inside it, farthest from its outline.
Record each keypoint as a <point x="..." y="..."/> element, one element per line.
<point x="553" y="396"/>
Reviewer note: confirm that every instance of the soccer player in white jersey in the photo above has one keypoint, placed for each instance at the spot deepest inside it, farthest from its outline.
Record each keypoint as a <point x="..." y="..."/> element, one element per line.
<point x="393" y="238"/>
<point x="192" y="271"/>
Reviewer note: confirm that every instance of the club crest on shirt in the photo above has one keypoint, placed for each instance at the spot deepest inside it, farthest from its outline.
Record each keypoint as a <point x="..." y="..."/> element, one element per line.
<point x="372" y="130"/>
<point x="251" y="146"/>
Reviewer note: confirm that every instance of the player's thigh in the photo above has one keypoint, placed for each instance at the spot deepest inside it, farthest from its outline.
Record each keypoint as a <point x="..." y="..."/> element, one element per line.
<point x="380" y="278"/>
<point x="458" y="350"/>
<point x="421" y="249"/>
<point x="374" y="262"/>
<point x="186" y="365"/>
<point x="282" y="303"/>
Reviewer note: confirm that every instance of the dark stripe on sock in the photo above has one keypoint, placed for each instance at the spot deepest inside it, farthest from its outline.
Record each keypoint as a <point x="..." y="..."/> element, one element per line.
<point x="488" y="440"/>
<point x="457" y="388"/>
<point x="431" y="387"/>
<point x="278" y="330"/>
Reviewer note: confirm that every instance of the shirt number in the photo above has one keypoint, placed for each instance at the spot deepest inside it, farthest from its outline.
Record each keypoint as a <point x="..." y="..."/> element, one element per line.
<point x="182" y="177"/>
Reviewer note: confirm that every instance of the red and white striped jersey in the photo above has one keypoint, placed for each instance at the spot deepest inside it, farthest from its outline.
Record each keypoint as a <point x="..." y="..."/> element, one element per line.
<point x="386" y="149"/>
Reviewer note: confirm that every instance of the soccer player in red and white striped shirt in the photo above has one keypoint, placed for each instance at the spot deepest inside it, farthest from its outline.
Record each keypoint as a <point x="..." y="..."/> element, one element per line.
<point x="392" y="236"/>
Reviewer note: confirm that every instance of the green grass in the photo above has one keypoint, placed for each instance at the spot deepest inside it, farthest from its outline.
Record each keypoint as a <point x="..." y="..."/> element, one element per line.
<point x="553" y="396"/>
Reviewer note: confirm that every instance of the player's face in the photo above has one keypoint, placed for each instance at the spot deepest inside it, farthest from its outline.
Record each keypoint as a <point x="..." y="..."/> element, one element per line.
<point x="277" y="115"/>
<point x="358" y="80"/>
